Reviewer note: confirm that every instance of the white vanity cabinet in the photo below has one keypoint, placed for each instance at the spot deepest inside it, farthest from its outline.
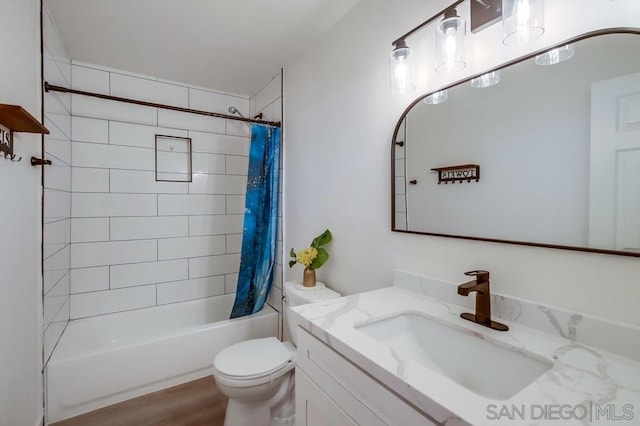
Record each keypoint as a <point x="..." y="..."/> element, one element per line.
<point x="330" y="390"/>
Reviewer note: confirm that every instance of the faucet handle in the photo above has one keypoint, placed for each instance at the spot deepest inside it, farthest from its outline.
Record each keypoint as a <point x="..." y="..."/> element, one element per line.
<point x="480" y="274"/>
<point x="476" y="273"/>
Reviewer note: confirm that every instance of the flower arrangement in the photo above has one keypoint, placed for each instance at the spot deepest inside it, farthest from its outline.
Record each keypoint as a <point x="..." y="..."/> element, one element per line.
<point x="312" y="257"/>
<point x="315" y="255"/>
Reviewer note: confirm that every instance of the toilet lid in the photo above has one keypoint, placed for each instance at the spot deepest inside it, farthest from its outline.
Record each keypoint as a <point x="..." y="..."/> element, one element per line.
<point x="253" y="358"/>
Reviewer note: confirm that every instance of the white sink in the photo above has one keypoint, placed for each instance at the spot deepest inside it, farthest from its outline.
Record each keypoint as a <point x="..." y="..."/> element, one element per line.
<point x="489" y="369"/>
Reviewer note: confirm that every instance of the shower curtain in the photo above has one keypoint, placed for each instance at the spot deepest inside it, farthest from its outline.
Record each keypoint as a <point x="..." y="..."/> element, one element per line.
<point x="260" y="221"/>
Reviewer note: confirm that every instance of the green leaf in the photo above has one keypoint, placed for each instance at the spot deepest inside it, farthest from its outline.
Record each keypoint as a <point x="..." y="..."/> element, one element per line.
<point x="292" y="253"/>
<point x="319" y="261"/>
<point x="322" y="239"/>
<point x="291" y="263"/>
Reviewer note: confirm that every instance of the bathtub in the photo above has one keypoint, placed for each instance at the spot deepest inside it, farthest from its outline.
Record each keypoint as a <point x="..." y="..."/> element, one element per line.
<point x="107" y="359"/>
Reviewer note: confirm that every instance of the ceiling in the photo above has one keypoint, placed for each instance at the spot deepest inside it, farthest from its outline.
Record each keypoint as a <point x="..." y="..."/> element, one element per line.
<point x="235" y="46"/>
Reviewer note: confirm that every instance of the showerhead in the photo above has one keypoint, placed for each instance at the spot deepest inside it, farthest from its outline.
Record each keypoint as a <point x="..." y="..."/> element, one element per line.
<point x="234" y="110"/>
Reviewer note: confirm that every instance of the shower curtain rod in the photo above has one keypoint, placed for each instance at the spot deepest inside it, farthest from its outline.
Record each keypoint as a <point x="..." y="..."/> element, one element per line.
<point x="51" y="88"/>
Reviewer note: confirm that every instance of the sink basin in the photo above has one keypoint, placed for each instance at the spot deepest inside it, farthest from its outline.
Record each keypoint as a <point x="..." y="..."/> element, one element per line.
<point x="489" y="369"/>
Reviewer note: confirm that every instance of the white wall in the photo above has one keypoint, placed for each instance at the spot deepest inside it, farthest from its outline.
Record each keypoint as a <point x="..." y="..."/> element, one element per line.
<point x="20" y="218"/>
<point x="340" y="117"/>
<point x="57" y="188"/>
<point x="137" y="242"/>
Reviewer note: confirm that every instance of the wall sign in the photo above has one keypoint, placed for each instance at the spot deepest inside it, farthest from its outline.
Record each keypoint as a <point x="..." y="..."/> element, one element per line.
<point x="453" y="174"/>
<point x="6" y="141"/>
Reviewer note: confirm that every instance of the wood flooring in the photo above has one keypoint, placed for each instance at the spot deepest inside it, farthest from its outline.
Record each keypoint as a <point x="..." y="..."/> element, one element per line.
<point x="197" y="403"/>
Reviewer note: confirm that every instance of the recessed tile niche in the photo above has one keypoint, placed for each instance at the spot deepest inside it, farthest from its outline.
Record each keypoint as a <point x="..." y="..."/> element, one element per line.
<point x="173" y="159"/>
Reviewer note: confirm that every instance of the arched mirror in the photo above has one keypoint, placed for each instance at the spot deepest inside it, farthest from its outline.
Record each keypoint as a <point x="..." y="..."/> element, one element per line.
<point x="548" y="155"/>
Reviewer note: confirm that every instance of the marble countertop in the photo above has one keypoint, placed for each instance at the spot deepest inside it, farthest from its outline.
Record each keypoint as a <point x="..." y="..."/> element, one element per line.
<point x="584" y="386"/>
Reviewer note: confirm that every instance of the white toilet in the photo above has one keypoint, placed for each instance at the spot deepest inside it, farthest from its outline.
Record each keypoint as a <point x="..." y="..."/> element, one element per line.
<point x="257" y="375"/>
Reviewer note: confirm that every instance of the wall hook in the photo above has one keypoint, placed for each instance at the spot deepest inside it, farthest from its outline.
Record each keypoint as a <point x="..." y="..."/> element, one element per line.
<point x="40" y="162"/>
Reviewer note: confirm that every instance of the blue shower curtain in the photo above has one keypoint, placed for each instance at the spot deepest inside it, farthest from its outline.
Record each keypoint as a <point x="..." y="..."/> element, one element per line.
<point x="260" y="221"/>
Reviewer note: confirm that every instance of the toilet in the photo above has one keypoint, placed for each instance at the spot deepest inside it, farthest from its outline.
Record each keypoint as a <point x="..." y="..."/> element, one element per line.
<point x="257" y="375"/>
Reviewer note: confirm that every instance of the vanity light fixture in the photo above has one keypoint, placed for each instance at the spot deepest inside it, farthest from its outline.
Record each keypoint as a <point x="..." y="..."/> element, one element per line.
<point x="437" y="98"/>
<point x="401" y="68"/>
<point x="450" y="35"/>
<point x="486" y="80"/>
<point x="555" y="56"/>
<point x="522" y="20"/>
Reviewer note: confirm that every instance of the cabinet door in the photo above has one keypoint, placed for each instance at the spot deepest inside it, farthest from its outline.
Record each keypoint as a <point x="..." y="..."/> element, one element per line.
<point x="314" y="407"/>
<point x="367" y="401"/>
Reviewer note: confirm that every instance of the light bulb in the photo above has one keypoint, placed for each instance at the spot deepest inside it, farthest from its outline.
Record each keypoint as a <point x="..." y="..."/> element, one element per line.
<point x="522" y="10"/>
<point x="437" y="97"/>
<point x="555" y="56"/>
<point x="450" y="42"/>
<point x="401" y="69"/>
<point x="486" y="80"/>
<point x="523" y="20"/>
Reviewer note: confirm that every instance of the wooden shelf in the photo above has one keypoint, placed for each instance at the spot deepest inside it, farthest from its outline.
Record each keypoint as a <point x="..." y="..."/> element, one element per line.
<point x="17" y="119"/>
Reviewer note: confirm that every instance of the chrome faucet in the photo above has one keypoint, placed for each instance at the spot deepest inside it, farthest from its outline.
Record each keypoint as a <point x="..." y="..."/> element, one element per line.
<point x="483" y="300"/>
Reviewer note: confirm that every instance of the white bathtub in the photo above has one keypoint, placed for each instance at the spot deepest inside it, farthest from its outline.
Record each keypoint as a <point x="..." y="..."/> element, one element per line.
<point x="111" y="358"/>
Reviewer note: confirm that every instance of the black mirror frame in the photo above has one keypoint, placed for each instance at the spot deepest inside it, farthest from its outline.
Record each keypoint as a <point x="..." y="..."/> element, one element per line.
<point x="505" y="65"/>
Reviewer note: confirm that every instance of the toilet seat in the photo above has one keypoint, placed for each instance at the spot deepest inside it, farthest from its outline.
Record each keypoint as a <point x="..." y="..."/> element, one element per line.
<point x="253" y="362"/>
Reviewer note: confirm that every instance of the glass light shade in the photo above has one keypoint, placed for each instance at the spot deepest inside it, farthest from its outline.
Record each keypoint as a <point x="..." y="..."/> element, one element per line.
<point x="450" y="35"/>
<point x="522" y="20"/>
<point x="401" y="69"/>
<point x="486" y="80"/>
<point x="555" y="56"/>
<point x="437" y="98"/>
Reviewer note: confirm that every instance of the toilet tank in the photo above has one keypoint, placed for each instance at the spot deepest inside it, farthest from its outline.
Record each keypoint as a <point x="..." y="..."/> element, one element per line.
<point x="297" y="295"/>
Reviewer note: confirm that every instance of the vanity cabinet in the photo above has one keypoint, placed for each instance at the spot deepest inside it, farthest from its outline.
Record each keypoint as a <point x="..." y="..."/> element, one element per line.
<point x="330" y="390"/>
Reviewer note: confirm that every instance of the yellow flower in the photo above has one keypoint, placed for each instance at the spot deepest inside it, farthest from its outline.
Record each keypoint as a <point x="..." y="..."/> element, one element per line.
<point x="307" y="256"/>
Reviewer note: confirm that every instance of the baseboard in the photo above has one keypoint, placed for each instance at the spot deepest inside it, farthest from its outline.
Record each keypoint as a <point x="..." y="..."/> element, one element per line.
<point x="41" y="421"/>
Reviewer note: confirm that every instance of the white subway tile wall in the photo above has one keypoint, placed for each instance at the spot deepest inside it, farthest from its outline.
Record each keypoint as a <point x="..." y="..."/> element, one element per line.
<point x="179" y="291"/>
<point x="89" y="180"/>
<point x="184" y="248"/>
<point x="149" y="273"/>
<point x="113" y="300"/>
<point x="57" y="189"/>
<point x="136" y="242"/>
<point x="85" y="280"/>
<point x="215" y="224"/>
<point x="234" y="204"/>
<point x="88" y="230"/>
<point x="187" y="205"/>
<point x="148" y="90"/>
<point x="219" y="144"/>
<point x="128" y="228"/>
<point x="230" y="283"/>
<point x="89" y="130"/>
<point x="400" y="185"/>
<point x="214" y="265"/>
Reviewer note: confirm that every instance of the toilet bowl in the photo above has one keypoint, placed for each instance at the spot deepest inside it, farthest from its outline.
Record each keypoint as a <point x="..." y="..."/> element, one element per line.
<point x="257" y="375"/>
